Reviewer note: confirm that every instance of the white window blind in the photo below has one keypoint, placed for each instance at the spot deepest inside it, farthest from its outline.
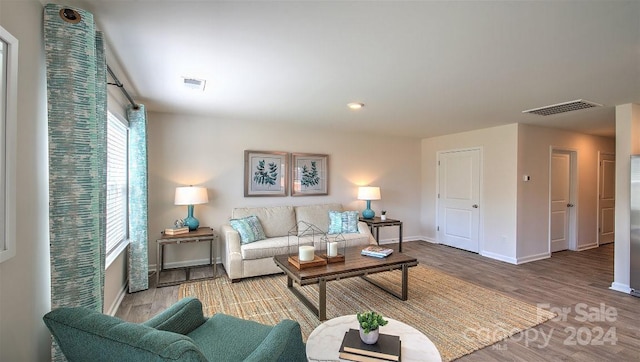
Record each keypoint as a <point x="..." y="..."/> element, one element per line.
<point x="117" y="184"/>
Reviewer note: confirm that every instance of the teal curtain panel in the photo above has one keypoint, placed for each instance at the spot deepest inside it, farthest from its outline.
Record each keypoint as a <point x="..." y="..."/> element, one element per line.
<point x="101" y="130"/>
<point x="76" y="91"/>
<point x="138" y="217"/>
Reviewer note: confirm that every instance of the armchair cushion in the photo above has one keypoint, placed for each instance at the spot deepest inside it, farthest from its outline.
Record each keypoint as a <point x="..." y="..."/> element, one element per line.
<point x="182" y="317"/>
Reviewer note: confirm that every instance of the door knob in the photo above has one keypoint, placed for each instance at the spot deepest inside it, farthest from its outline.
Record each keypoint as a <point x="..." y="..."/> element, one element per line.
<point x="569" y="205"/>
<point x="475" y="206"/>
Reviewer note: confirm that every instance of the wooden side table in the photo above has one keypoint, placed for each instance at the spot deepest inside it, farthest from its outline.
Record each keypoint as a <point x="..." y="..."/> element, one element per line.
<point x="196" y="236"/>
<point x="376" y="223"/>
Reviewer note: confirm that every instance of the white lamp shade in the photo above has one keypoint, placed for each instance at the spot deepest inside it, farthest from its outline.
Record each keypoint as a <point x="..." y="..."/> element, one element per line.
<point x="368" y="193"/>
<point x="191" y="195"/>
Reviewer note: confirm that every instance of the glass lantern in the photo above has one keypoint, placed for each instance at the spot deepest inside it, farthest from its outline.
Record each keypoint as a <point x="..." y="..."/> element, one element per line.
<point x="333" y="246"/>
<point x="301" y="242"/>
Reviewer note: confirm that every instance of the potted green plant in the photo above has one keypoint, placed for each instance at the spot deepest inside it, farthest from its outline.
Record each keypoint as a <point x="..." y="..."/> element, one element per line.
<point x="383" y="215"/>
<point x="370" y="322"/>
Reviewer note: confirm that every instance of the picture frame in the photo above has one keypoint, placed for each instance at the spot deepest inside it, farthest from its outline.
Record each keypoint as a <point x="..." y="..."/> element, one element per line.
<point x="309" y="174"/>
<point x="265" y="173"/>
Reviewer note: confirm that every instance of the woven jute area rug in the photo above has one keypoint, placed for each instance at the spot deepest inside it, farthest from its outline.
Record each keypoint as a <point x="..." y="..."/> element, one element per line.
<point x="458" y="316"/>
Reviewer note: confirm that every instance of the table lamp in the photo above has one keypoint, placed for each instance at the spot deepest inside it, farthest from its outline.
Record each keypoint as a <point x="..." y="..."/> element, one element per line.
<point x="191" y="195"/>
<point x="368" y="193"/>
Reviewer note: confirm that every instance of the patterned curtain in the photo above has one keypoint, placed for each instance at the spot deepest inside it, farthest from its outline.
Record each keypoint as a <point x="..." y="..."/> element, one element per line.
<point x="138" y="218"/>
<point x="77" y="108"/>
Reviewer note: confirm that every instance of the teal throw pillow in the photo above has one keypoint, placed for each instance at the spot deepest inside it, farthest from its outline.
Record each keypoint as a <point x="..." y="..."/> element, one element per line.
<point x="343" y="222"/>
<point x="249" y="228"/>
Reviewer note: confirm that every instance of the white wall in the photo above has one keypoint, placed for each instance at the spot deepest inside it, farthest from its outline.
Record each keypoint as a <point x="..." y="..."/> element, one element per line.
<point x="534" y="145"/>
<point x="498" y="186"/>
<point x="186" y="150"/>
<point x="115" y="283"/>
<point x="24" y="280"/>
<point x="515" y="214"/>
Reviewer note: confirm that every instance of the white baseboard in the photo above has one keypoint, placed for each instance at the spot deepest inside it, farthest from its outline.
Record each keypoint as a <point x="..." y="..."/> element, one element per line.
<point x="587" y="247"/>
<point x="404" y="239"/>
<point x="499" y="257"/>
<point x="116" y="303"/>
<point x="530" y="258"/>
<point x="619" y="287"/>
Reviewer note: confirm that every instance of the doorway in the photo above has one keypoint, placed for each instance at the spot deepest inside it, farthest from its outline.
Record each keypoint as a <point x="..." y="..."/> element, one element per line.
<point x="606" y="197"/>
<point x="562" y="224"/>
<point x="459" y="199"/>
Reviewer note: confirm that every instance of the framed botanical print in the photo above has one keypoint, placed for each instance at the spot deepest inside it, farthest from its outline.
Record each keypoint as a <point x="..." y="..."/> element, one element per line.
<point x="310" y="174"/>
<point x="265" y="173"/>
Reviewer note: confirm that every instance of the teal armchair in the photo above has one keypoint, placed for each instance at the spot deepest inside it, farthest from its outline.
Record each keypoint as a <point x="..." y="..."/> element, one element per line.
<point x="180" y="333"/>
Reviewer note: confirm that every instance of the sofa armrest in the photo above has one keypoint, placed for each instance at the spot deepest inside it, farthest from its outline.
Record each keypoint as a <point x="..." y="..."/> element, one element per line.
<point x="363" y="228"/>
<point x="231" y="254"/>
<point x="182" y="317"/>
<point x="283" y="343"/>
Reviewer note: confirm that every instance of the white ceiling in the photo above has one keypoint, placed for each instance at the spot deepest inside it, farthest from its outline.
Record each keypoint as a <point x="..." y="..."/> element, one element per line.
<point x="422" y="68"/>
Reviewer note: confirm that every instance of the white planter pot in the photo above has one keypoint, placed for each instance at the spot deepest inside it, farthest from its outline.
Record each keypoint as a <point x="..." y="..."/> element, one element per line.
<point x="383" y="217"/>
<point x="371" y="337"/>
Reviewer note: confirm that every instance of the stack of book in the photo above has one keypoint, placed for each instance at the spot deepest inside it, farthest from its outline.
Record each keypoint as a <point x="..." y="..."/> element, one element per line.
<point x="376" y="251"/>
<point x="386" y="349"/>
<point x="176" y="231"/>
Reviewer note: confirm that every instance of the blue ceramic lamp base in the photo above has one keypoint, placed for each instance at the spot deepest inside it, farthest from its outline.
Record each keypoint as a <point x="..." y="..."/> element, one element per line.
<point x="191" y="222"/>
<point x="368" y="213"/>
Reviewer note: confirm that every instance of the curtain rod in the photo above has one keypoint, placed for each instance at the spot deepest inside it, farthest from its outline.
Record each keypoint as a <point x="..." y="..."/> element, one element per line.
<point x="121" y="86"/>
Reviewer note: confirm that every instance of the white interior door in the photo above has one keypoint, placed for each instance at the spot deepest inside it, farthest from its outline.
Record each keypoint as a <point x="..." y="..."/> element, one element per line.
<point x="458" y="199"/>
<point x="560" y="200"/>
<point x="606" y="198"/>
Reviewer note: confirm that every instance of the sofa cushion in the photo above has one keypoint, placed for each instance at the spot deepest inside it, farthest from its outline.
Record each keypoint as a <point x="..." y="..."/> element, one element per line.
<point x="271" y="247"/>
<point x="317" y="215"/>
<point x="275" y="220"/>
<point x="249" y="228"/>
<point x="344" y="240"/>
<point x="343" y="222"/>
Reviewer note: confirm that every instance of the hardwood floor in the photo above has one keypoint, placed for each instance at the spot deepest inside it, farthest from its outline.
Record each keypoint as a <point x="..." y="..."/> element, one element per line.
<point x="594" y="323"/>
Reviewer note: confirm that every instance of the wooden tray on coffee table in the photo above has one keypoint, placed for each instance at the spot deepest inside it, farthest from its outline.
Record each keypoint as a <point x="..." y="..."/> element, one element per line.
<point x="317" y="261"/>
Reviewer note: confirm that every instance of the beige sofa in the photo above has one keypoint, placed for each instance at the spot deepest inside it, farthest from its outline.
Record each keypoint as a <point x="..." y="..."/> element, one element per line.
<point x="253" y="259"/>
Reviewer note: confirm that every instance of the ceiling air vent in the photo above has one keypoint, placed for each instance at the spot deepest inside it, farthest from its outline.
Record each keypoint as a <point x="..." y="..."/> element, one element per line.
<point x="193" y="83"/>
<point x="563" y="107"/>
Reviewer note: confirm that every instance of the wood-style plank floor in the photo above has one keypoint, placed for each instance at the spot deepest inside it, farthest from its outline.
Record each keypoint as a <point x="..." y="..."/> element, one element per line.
<point x="594" y="323"/>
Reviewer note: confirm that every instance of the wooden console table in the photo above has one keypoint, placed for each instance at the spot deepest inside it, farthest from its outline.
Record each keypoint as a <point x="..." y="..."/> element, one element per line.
<point x="196" y="236"/>
<point x="376" y="223"/>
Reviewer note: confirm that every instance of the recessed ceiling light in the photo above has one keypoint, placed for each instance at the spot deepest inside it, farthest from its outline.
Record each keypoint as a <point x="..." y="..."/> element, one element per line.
<point x="193" y="83"/>
<point x="355" y="105"/>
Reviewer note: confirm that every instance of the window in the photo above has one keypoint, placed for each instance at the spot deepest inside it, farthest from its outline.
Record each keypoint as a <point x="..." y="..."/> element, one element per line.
<point x="8" y="107"/>
<point x="117" y="187"/>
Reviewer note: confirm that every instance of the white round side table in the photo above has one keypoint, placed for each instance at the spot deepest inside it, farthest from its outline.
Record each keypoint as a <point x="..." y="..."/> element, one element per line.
<point x="324" y="342"/>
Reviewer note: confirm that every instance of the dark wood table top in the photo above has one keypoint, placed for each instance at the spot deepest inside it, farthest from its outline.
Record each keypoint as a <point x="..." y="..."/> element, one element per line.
<point x="203" y="231"/>
<point x="377" y="221"/>
<point x="354" y="263"/>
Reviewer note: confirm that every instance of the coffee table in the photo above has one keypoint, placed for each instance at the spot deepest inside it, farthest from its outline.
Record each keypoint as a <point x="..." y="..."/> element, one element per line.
<point x="354" y="265"/>
<point x="324" y="342"/>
